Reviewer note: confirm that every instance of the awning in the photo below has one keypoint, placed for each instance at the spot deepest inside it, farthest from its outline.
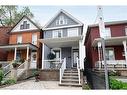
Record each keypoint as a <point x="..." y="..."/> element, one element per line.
<point x="110" y="41"/>
<point x="61" y="42"/>
<point x="18" y="46"/>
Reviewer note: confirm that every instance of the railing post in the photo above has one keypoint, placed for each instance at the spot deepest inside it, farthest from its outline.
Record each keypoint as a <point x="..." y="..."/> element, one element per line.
<point x="77" y="63"/>
<point x="60" y="75"/>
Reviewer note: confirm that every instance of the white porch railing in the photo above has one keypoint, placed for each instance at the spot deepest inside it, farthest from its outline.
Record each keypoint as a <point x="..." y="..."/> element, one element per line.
<point x="62" y="68"/>
<point x="111" y="63"/>
<point x="78" y="68"/>
<point x="52" y="64"/>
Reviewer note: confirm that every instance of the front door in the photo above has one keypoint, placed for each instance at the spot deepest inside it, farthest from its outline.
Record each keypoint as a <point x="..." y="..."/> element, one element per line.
<point x="75" y="55"/>
<point x="33" y="60"/>
<point x="66" y="53"/>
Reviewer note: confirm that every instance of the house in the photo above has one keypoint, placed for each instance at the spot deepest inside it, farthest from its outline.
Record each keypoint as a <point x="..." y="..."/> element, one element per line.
<point x="23" y="44"/>
<point x="4" y="40"/>
<point x="115" y="37"/>
<point x="62" y="36"/>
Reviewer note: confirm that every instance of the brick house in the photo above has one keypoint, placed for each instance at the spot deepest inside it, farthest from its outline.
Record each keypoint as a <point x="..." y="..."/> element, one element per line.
<point x="115" y="41"/>
<point x="4" y="40"/>
<point x="23" y="44"/>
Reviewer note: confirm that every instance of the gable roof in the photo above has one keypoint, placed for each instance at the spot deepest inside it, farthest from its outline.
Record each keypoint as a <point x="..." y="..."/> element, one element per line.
<point x="29" y="20"/>
<point x="66" y="13"/>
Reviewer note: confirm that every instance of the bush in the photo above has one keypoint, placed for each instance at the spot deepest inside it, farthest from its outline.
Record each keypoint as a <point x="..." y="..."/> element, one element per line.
<point x="10" y="81"/>
<point x="115" y="84"/>
<point x="1" y="75"/>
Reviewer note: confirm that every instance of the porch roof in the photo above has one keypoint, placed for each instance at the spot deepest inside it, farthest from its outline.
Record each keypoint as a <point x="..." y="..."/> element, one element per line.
<point x="61" y="42"/>
<point x="110" y="41"/>
<point x="18" y="46"/>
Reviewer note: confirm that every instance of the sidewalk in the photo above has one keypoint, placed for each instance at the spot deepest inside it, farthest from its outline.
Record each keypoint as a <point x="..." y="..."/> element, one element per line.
<point x="32" y="85"/>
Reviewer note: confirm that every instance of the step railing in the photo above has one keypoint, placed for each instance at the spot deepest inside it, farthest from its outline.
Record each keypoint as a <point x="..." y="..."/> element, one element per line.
<point x="7" y="69"/>
<point x="62" y="68"/>
<point x="78" y="68"/>
<point x="22" y="68"/>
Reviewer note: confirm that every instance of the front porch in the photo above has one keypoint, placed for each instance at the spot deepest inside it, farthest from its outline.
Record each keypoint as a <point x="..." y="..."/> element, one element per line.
<point x="20" y="52"/>
<point x="115" y="52"/>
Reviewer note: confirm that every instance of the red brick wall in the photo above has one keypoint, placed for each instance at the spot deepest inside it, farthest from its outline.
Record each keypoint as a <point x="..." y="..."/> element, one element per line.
<point x="93" y="33"/>
<point x="4" y="40"/>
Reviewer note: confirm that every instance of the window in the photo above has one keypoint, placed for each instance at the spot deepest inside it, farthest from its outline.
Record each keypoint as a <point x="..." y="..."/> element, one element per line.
<point x="18" y="55"/>
<point x="61" y="21"/>
<point x="25" y="25"/>
<point x="107" y="33"/>
<point x="110" y="54"/>
<point x="126" y="30"/>
<point x="19" y="39"/>
<point x="34" y="39"/>
<point x="72" y="32"/>
<point x="57" y="33"/>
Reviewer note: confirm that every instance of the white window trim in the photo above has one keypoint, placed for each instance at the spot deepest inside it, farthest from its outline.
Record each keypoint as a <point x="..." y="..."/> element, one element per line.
<point x="19" y="40"/>
<point x="33" y="40"/>
<point x="53" y="36"/>
<point x="113" y="51"/>
<point x="58" y="49"/>
<point x="125" y="30"/>
<point x="72" y="29"/>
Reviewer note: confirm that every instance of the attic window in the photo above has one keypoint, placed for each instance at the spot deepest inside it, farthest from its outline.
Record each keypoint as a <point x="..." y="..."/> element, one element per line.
<point x="61" y="21"/>
<point x="24" y="25"/>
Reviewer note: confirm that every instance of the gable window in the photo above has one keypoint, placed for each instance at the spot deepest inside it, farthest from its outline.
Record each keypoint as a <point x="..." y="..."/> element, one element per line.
<point x="110" y="54"/>
<point x="57" y="33"/>
<point x="19" y="39"/>
<point x="34" y="39"/>
<point x="61" y="20"/>
<point x="107" y="33"/>
<point x="25" y="25"/>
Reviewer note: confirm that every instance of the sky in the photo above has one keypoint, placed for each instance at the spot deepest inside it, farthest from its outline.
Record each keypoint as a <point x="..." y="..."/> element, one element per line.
<point x="86" y="14"/>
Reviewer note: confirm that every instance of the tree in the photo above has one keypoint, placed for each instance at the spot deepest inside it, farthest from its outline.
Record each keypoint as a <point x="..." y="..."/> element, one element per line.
<point x="9" y="14"/>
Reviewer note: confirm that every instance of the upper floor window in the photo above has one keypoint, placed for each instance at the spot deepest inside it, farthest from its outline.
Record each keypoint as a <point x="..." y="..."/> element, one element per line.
<point x="19" y="39"/>
<point x="57" y="33"/>
<point x="107" y="33"/>
<point x="25" y="25"/>
<point x="72" y="32"/>
<point x="61" y="21"/>
<point x="34" y="39"/>
<point x="126" y="30"/>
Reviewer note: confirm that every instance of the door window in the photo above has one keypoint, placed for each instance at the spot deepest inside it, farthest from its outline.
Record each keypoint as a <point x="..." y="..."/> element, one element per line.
<point x="57" y="53"/>
<point x="110" y="54"/>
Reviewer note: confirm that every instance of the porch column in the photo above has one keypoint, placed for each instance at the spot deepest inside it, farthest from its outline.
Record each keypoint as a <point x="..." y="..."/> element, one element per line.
<point x="15" y="53"/>
<point x="43" y="56"/>
<point x="125" y="50"/>
<point x="27" y="54"/>
<point x="80" y="54"/>
<point x="99" y="54"/>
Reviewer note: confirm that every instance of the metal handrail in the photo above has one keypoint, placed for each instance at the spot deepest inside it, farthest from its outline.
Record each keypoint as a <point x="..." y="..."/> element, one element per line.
<point x="78" y="68"/>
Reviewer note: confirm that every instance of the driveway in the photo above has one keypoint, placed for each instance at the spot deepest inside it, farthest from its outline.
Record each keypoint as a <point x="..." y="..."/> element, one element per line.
<point x="32" y="85"/>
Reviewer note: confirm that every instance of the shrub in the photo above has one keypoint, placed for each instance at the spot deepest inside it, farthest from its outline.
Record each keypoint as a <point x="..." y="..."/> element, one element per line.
<point x="10" y="81"/>
<point x="1" y="75"/>
<point x="115" y="84"/>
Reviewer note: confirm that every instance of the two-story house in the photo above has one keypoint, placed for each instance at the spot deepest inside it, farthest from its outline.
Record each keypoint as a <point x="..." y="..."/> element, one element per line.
<point x="115" y="36"/>
<point x="23" y="44"/>
<point x="62" y="36"/>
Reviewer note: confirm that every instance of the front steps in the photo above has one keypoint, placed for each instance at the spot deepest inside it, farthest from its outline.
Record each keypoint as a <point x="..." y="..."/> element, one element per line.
<point x="70" y="78"/>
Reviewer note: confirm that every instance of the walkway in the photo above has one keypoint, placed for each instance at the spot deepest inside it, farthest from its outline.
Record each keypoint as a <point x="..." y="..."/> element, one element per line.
<point x="32" y="85"/>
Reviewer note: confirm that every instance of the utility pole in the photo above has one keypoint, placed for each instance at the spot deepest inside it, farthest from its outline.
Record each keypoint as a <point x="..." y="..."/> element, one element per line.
<point x="101" y="31"/>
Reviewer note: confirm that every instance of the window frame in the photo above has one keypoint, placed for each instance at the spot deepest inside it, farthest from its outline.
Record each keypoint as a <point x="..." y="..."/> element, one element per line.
<point x="108" y="55"/>
<point x="57" y="31"/>
<point x="19" y="39"/>
<point x="34" y="40"/>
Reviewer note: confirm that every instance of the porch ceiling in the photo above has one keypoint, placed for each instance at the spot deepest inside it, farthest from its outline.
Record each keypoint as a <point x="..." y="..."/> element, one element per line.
<point x="110" y="41"/>
<point x="61" y="42"/>
<point x="18" y="46"/>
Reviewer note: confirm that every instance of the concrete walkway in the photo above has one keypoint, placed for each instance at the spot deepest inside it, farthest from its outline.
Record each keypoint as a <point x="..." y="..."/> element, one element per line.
<point x="32" y="85"/>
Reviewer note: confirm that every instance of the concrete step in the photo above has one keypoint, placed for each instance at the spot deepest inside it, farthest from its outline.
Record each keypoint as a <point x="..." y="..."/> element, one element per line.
<point x="70" y="77"/>
<point x="70" y="81"/>
<point x="70" y="74"/>
<point x="70" y="71"/>
<point x="70" y="84"/>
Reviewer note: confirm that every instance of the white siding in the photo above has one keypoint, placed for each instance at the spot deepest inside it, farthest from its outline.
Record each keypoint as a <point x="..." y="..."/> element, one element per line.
<point x="72" y="32"/>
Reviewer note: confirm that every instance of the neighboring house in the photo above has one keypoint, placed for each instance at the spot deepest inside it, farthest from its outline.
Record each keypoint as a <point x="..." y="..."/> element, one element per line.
<point x="115" y="41"/>
<point x="4" y="40"/>
<point x="63" y="37"/>
<point x="23" y="44"/>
